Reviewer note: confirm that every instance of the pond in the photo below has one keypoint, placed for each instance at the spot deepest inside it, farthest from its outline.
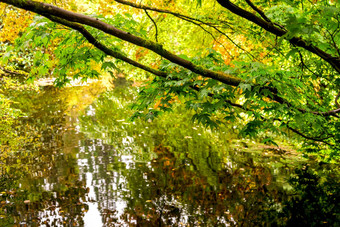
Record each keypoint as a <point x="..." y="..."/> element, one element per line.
<point x="85" y="164"/>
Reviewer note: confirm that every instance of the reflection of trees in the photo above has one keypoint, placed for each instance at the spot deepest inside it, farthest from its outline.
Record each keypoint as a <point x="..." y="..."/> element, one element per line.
<point x="170" y="192"/>
<point x="189" y="179"/>
<point x="44" y="173"/>
<point x="317" y="197"/>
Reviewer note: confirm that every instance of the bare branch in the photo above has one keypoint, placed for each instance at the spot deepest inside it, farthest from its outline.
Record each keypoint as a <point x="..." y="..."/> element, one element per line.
<point x="156" y="35"/>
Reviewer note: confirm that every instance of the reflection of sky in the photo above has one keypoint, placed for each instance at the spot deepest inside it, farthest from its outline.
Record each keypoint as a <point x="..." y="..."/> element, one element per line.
<point x="46" y="216"/>
<point x="93" y="217"/>
<point x="90" y="111"/>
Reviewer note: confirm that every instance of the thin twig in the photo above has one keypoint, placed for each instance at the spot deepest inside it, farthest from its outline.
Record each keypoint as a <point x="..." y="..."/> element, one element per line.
<point x="304" y="65"/>
<point x="195" y="21"/>
<point x="140" y="6"/>
<point x="336" y="100"/>
<point x="11" y="72"/>
<point x="156" y="35"/>
<point x="281" y="32"/>
<point x="333" y="41"/>
<point x="214" y="38"/>
<point x="308" y="137"/>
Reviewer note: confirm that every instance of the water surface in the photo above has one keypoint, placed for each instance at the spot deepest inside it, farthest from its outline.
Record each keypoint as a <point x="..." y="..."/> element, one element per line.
<point x="85" y="164"/>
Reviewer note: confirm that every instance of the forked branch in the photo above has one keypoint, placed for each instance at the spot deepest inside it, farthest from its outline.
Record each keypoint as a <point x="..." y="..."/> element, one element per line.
<point x="279" y="30"/>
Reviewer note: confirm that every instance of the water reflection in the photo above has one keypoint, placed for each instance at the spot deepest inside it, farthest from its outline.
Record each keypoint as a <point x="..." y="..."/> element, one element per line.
<point x="95" y="168"/>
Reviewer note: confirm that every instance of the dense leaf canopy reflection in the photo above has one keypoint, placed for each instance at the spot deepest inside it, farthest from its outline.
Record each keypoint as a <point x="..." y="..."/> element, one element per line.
<point x="94" y="166"/>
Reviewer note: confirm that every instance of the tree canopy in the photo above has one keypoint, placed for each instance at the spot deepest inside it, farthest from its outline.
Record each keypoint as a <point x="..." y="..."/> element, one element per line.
<point x="271" y="66"/>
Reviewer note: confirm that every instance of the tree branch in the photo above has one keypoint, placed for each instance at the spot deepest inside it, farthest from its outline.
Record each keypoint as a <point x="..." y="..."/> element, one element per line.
<point x="328" y="113"/>
<point x="258" y="11"/>
<point x="156" y="35"/>
<point x="280" y="31"/>
<point x="333" y="41"/>
<point x="91" y="39"/>
<point x="336" y="100"/>
<point x="56" y="13"/>
<point x="304" y="65"/>
<point x="11" y="72"/>
<point x="308" y="137"/>
<point x="46" y="10"/>
<point x="179" y="15"/>
<point x="192" y="20"/>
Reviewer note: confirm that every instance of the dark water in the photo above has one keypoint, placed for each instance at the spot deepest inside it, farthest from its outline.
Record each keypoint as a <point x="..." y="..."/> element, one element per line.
<point x="82" y="163"/>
